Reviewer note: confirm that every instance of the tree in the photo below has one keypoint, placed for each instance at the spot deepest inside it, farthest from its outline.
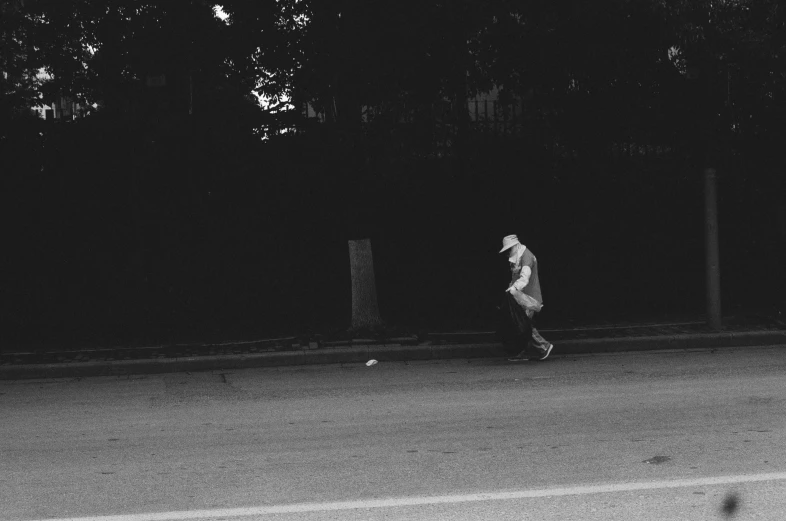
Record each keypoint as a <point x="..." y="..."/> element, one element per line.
<point x="105" y="53"/>
<point x="365" y="307"/>
<point x="715" y="41"/>
<point x="20" y="61"/>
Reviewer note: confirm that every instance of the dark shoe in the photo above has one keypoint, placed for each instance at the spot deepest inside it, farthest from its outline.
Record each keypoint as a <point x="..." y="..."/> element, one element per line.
<point x="521" y="357"/>
<point x="547" y="353"/>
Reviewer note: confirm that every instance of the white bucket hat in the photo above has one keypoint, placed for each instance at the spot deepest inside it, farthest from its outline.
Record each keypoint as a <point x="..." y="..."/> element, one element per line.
<point x="508" y="242"/>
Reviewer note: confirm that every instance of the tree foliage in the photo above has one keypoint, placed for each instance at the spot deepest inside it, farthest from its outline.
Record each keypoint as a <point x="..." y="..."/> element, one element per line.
<point x="104" y="53"/>
<point x="619" y="64"/>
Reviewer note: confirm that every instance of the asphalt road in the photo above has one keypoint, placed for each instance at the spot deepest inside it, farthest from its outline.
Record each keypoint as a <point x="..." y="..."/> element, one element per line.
<point x="652" y="435"/>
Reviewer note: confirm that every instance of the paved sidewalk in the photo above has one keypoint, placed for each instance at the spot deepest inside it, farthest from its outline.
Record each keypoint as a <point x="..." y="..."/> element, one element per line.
<point x="294" y="351"/>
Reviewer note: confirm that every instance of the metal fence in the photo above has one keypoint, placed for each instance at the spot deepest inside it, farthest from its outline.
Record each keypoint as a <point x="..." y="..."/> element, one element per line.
<point x="493" y="118"/>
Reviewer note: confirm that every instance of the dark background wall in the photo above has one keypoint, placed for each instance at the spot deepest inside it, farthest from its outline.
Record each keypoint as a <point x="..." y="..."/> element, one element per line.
<point x="185" y="236"/>
<point x="160" y="214"/>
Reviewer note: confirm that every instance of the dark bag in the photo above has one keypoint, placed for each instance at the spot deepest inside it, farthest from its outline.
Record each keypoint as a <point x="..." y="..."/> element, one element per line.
<point x="509" y="326"/>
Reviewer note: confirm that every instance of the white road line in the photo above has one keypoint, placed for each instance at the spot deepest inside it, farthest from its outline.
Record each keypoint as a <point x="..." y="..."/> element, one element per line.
<point x="434" y="500"/>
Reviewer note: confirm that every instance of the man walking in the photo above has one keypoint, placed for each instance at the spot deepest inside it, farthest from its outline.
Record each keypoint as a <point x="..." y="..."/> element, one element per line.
<point x="524" y="280"/>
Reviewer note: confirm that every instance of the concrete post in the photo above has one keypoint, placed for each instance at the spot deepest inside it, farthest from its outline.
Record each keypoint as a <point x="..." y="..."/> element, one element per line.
<point x="365" y="309"/>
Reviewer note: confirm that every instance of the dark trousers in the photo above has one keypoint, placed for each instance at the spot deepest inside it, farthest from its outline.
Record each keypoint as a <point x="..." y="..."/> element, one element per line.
<point x="517" y="330"/>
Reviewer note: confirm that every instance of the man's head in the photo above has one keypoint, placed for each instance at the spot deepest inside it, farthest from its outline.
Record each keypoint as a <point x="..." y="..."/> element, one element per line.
<point x="510" y="244"/>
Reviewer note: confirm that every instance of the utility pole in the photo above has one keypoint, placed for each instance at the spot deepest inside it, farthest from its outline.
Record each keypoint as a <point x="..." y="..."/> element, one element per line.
<point x="700" y="72"/>
<point x="712" y="250"/>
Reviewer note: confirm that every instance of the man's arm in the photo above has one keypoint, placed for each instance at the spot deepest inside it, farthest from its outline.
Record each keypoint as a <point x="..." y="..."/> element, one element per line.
<point x="523" y="280"/>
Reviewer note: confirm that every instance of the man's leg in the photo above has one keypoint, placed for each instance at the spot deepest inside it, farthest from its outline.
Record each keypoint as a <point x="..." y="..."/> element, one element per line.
<point x="539" y="345"/>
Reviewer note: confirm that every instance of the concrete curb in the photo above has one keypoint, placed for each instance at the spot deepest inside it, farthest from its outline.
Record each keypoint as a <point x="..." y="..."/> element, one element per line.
<point x="383" y="353"/>
<point x="670" y="342"/>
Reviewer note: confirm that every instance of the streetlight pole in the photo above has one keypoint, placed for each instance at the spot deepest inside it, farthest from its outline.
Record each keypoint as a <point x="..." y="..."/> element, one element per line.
<point x="712" y="255"/>
<point x="711" y="247"/>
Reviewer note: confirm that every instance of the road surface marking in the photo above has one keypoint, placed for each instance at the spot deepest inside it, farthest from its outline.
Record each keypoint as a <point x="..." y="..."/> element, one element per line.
<point x="433" y="500"/>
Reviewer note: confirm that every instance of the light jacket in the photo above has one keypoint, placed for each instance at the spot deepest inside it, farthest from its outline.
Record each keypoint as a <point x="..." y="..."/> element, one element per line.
<point x="524" y="274"/>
